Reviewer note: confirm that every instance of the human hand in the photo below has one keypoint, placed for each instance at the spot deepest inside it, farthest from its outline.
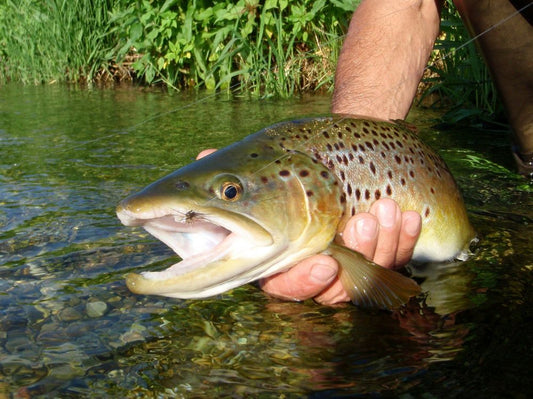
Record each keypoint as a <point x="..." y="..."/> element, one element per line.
<point x="385" y="234"/>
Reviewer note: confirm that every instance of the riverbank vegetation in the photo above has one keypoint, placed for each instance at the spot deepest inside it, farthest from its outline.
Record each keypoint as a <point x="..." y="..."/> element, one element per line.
<point x="266" y="48"/>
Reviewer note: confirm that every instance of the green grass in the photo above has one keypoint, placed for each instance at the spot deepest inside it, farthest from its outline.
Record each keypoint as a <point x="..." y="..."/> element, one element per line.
<point x="54" y="40"/>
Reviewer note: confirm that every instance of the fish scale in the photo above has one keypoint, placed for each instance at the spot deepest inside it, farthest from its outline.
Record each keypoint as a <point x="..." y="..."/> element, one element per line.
<point x="282" y="194"/>
<point x="376" y="159"/>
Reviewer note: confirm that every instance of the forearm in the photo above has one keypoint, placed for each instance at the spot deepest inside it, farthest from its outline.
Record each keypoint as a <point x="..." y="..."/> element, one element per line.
<point x="383" y="57"/>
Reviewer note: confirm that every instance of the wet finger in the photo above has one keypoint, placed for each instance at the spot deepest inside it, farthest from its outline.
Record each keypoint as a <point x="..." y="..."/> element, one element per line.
<point x="205" y="152"/>
<point x="305" y="280"/>
<point x="410" y="230"/>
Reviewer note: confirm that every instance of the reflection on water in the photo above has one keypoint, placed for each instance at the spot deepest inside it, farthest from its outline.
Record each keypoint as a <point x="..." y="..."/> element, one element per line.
<point x="69" y="326"/>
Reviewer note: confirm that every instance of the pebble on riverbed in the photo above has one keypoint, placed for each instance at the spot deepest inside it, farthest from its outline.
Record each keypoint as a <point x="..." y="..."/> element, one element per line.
<point x="96" y="309"/>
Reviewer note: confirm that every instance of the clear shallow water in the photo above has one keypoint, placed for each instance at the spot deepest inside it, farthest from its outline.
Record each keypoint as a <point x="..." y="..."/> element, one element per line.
<point x="69" y="327"/>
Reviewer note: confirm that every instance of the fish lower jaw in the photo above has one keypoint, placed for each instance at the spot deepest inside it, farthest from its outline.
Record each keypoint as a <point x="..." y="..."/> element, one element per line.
<point x="204" y="275"/>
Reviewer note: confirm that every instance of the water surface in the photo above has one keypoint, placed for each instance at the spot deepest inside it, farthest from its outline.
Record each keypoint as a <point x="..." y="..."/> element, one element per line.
<point x="69" y="326"/>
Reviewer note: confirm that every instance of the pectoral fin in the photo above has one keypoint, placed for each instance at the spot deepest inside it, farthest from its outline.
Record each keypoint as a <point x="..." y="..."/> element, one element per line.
<point x="370" y="285"/>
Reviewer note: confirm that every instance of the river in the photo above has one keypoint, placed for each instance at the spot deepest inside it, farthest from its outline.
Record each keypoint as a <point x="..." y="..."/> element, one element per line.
<point x="69" y="327"/>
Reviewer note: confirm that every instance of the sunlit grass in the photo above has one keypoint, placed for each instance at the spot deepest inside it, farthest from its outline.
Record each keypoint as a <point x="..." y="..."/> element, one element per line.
<point x="54" y="40"/>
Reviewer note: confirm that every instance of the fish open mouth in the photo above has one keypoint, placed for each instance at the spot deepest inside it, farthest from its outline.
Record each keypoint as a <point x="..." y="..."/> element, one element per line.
<point x="207" y="246"/>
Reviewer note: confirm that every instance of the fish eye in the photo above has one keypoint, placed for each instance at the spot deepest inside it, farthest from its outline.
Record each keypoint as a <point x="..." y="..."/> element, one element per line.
<point x="230" y="191"/>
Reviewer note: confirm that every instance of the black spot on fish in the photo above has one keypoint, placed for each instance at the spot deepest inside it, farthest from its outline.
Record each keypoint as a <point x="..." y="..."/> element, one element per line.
<point x="392" y="145"/>
<point x="342" y="198"/>
<point x="356" y="135"/>
<point x="383" y="155"/>
<point x="353" y="210"/>
<point x="324" y="174"/>
<point x="398" y="159"/>
<point x="426" y="213"/>
<point x="254" y="155"/>
<point x="339" y="135"/>
<point x="389" y="173"/>
<point x="402" y="181"/>
<point x="357" y="194"/>
<point x="304" y="173"/>
<point x="325" y="134"/>
<point x="329" y="147"/>
<point x="345" y="159"/>
<point x="365" y="130"/>
<point x="351" y="156"/>
<point x="349" y="189"/>
<point x="284" y="173"/>
<point x="309" y="193"/>
<point x="369" y="145"/>
<point x="264" y="179"/>
<point x="412" y="174"/>
<point x="432" y="190"/>
<point x="389" y="190"/>
<point x="399" y="143"/>
<point x="361" y="160"/>
<point x="354" y="147"/>
<point x="278" y="161"/>
<point x="348" y="129"/>
<point x="342" y="175"/>
<point x="367" y="194"/>
<point x="372" y="168"/>
<point x="339" y="158"/>
<point x="336" y="145"/>
<point x="361" y="148"/>
<point x="377" y="194"/>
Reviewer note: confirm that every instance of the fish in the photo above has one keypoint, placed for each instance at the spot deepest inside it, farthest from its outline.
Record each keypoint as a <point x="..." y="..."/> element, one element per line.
<point x="262" y="204"/>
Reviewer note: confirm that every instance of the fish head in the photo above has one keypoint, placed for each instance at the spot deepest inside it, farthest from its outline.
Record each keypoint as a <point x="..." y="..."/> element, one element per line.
<point x="233" y="217"/>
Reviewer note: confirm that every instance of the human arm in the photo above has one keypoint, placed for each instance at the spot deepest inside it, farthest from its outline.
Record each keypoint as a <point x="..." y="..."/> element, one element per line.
<point x="383" y="57"/>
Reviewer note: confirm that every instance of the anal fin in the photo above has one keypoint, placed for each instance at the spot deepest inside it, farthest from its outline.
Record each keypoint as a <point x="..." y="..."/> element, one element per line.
<point x="370" y="285"/>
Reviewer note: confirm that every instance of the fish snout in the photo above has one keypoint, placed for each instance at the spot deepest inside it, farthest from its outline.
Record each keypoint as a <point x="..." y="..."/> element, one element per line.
<point x="128" y="211"/>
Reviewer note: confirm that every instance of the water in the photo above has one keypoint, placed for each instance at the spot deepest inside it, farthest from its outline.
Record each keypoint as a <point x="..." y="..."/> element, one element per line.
<point x="70" y="328"/>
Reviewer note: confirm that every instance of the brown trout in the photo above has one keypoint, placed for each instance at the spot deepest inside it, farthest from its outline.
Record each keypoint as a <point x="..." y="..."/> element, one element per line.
<point x="262" y="204"/>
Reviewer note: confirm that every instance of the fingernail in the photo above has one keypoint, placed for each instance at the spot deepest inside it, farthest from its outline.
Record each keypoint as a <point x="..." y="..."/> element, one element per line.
<point x="366" y="228"/>
<point x="323" y="273"/>
<point x="386" y="215"/>
<point x="412" y="226"/>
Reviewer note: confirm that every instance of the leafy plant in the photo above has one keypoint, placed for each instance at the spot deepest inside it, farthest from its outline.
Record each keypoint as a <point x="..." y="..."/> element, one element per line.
<point x="247" y="45"/>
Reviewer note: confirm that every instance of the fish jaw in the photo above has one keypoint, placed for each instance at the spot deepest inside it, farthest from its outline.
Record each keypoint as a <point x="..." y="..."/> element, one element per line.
<point x="219" y="251"/>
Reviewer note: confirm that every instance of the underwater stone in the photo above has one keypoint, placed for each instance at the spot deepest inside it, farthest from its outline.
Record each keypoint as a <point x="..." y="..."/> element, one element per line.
<point x="96" y="309"/>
